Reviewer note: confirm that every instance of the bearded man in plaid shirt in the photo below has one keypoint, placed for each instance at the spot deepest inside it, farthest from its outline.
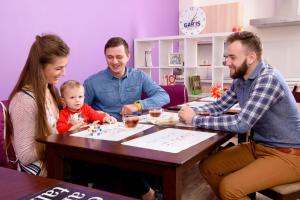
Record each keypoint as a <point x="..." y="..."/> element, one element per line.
<point x="268" y="109"/>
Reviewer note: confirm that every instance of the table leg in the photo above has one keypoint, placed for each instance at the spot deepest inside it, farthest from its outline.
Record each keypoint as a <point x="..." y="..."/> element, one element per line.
<point x="55" y="164"/>
<point x="242" y="137"/>
<point x="172" y="184"/>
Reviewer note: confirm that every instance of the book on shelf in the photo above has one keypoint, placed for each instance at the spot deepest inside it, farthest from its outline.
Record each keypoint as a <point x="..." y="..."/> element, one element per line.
<point x="195" y="85"/>
<point x="179" y="80"/>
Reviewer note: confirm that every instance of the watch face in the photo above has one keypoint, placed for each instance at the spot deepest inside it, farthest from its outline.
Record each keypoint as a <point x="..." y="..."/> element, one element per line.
<point x="192" y="21"/>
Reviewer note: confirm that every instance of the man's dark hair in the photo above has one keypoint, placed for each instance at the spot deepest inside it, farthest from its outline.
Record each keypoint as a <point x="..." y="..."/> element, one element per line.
<point x="116" y="41"/>
<point x="248" y="39"/>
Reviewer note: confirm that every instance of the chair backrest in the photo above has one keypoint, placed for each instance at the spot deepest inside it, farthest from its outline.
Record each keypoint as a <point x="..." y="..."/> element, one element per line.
<point x="2" y="133"/>
<point x="178" y="94"/>
<point x="296" y="93"/>
<point x="7" y="159"/>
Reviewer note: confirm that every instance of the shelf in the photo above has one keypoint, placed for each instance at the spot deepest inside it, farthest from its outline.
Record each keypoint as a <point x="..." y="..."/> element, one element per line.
<point x="191" y="48"/>
<point x="276" y="21"/>
<point x="228" y="81"/>
<point x="168" y="67"/>
<point x="146" y="67"/>
<point x="204" y="37"/>
<point x="206" y="80"/>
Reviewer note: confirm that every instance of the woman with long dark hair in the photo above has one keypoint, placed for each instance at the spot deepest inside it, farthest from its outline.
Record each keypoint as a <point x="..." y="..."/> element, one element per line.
<point x="34" y="102"/>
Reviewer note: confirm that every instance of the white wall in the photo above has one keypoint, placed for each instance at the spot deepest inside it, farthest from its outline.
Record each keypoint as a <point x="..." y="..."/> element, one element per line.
<point x="281" y="44"/>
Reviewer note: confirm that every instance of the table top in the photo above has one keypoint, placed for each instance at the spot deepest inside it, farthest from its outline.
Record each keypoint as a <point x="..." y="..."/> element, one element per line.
<point x="116" y="149"/>
<point x="15" y="185"/>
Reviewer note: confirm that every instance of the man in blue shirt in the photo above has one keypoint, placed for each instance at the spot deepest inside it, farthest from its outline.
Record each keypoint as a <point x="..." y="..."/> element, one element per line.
<point x="268" y="109"/>
<point x="118" y="89"/>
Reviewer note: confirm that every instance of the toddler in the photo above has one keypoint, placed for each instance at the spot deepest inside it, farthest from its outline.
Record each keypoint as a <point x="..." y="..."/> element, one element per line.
<point x="76" y="113"/>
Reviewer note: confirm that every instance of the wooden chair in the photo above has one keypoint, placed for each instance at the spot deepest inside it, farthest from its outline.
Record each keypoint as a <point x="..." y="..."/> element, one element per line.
<point x="7" y="158"/>
<point x="178" y="94"/>
<point x="296" y="93"/>
<point x="289" y="191"/>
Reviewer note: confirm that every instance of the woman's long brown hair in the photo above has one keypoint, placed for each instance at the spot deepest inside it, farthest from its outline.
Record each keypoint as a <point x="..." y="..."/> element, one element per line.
<point x="45" y="50"/>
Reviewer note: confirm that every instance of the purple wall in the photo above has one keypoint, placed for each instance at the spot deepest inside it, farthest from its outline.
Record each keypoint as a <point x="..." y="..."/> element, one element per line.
<point x="84" y="25"/>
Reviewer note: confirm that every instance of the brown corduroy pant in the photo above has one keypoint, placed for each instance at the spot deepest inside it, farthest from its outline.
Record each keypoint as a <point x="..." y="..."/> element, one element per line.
<point x="235" y="172"/>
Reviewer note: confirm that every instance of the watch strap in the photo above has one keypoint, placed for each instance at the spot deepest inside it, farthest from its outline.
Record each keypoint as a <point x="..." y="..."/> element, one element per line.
<point x="138" y="105"/>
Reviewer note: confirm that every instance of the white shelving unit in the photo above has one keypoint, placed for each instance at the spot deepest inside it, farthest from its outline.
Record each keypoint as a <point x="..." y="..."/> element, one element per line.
<point x="208" y="48"/>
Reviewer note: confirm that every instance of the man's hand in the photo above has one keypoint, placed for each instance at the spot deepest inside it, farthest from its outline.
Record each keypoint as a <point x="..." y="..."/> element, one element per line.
<point x="186" y="114"/>
<point x="129" y="109"/>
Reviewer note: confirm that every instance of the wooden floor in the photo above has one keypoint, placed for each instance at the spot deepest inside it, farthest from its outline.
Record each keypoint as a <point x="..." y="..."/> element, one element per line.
<point x="196" y="188"/>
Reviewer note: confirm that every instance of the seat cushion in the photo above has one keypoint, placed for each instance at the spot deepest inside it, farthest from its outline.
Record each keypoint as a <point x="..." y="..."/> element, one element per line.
<point x="287" y="188"/>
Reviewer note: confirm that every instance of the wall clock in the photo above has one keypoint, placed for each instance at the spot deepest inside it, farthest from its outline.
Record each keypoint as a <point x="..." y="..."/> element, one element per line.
<point x="192" y="21"/>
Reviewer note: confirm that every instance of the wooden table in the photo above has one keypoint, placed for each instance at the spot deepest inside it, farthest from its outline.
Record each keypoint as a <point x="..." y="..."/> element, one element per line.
<point x="169" y="166"/>
<point x="15" y="185"/>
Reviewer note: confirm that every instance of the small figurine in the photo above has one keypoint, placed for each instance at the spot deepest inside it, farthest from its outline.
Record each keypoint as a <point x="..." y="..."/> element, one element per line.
<point x="94" y="129"/>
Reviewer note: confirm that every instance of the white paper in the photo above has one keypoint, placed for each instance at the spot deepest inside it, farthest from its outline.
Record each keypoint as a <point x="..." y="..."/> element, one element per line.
<point x="170" y="140"/>
<point x="194" y="104"/>
<point x="113" y="132"/>
<point x="182" y="124"/>
<point x="209" y="99"/>
<point x="166" y="118"/>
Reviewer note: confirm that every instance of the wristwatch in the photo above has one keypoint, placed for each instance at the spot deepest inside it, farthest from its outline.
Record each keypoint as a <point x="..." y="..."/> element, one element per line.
<point x="139" y="105"/>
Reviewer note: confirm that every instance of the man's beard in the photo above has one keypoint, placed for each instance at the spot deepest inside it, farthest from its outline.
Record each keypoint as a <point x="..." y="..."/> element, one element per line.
<point x="241" y="71"/>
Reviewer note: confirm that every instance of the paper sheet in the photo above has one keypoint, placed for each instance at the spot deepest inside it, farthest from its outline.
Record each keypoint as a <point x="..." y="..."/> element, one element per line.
<point x="194" y="104"/>
<point x="170" y="140"/>
<point x="209" y="99"/>
<point x="113" y="132"/>
<point x="164" y="119"/>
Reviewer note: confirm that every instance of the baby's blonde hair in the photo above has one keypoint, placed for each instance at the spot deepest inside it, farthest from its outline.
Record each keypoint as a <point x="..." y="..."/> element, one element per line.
<point x="68" y="85"/>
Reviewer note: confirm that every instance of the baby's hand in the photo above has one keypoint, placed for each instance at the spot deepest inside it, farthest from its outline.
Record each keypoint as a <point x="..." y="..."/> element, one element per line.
<point x="75" y="119"/>
<point x="109" y="119"/>
<point x="78" y="126"/>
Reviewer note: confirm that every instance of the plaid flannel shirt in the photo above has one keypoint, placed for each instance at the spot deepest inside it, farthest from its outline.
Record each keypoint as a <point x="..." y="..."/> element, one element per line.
<point x="267" y="90"/>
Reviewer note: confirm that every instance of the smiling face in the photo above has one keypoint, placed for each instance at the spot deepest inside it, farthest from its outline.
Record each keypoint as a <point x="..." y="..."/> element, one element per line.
<point x="54" y="71"/>
<point x="117" y="59"/>
<point x="236" y="60"/>
<point x="74" y="98"/>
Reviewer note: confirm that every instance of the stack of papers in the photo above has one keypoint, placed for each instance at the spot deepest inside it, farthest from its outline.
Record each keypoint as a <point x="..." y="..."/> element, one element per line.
<point x="166" y="118"/>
